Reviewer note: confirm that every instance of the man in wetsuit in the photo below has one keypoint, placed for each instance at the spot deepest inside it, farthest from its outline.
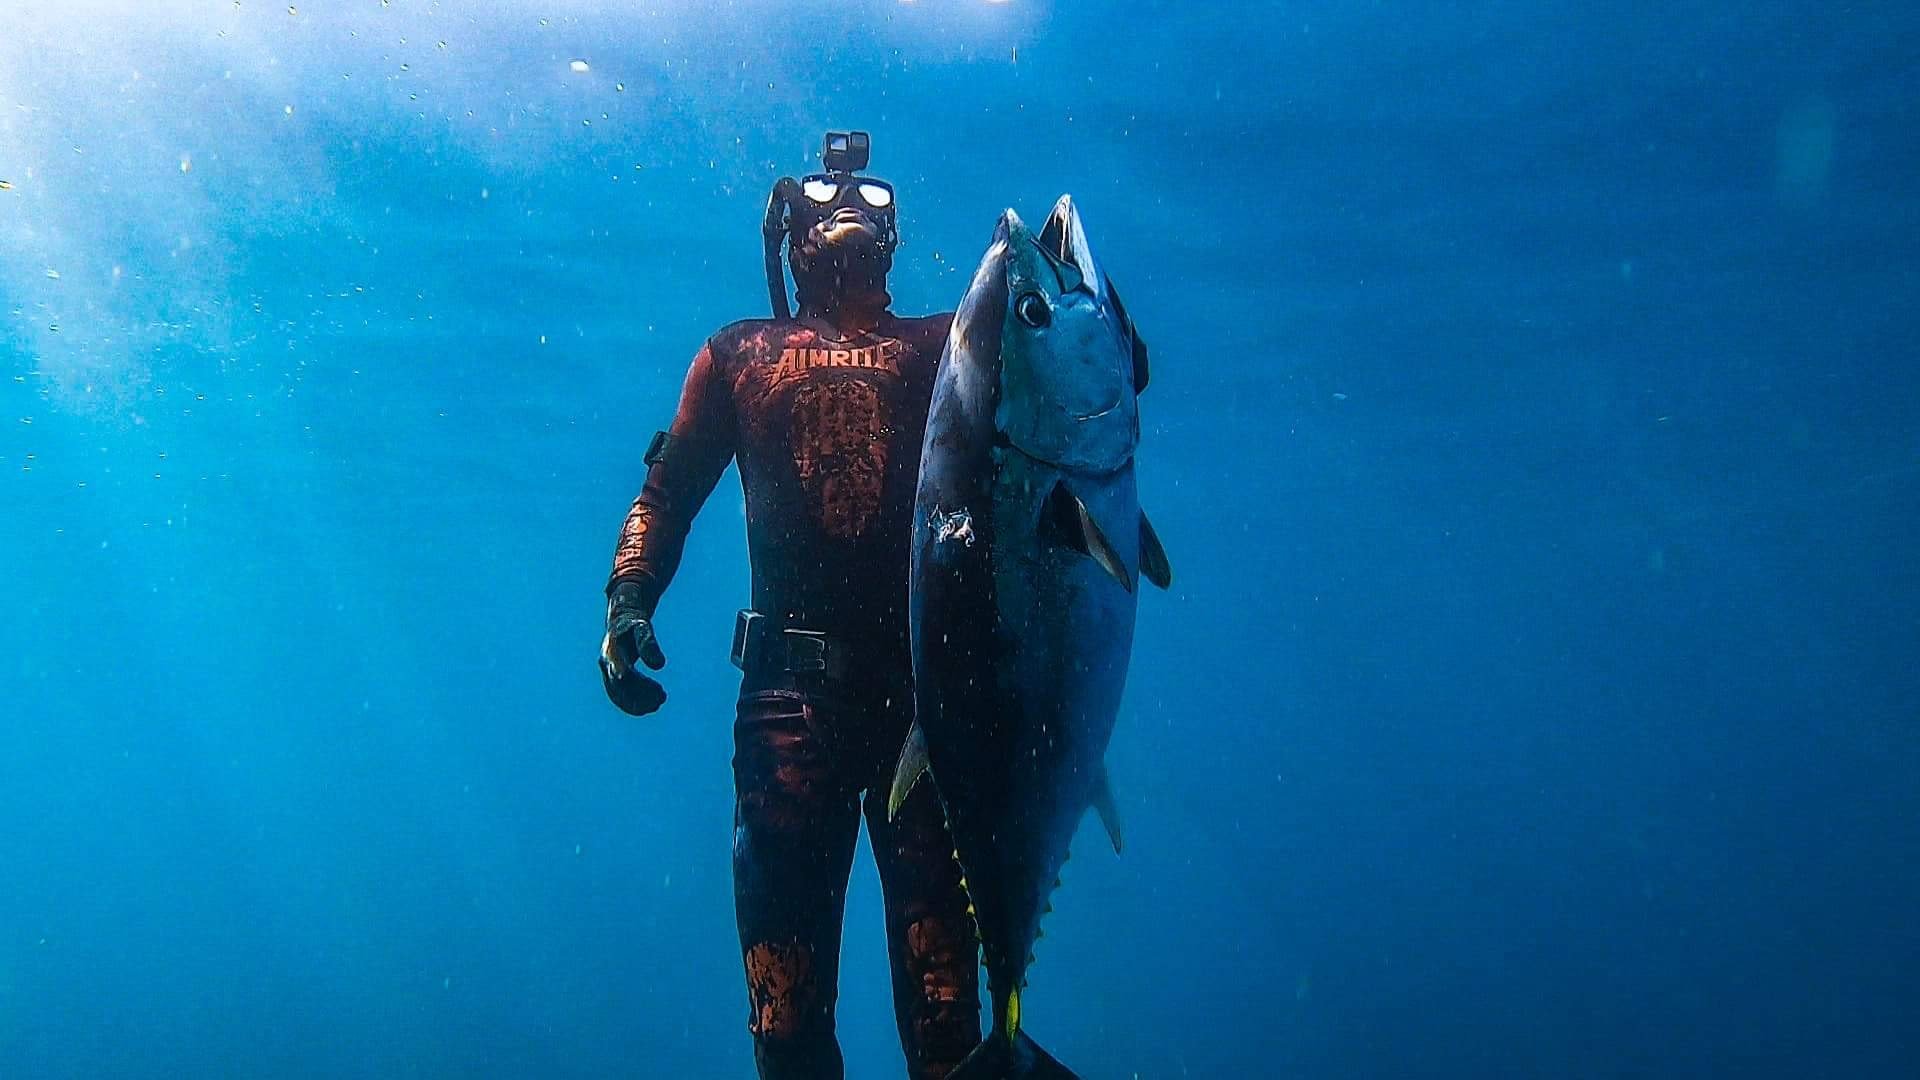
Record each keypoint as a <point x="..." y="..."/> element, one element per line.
<point x="825" y="414"/>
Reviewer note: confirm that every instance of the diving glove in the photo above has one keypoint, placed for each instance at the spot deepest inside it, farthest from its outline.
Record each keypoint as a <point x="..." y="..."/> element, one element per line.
<point x="629" y="638"/>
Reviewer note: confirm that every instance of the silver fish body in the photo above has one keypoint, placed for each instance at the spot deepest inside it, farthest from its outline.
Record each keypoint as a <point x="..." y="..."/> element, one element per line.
<point x="1028" y="545"/>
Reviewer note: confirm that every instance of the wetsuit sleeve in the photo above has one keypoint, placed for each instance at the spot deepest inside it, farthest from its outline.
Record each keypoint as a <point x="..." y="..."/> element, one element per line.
<point x="682" y="470"/>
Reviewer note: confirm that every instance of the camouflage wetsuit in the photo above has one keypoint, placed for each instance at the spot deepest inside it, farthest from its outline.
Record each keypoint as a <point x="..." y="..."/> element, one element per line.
<point x="827" y="433"/>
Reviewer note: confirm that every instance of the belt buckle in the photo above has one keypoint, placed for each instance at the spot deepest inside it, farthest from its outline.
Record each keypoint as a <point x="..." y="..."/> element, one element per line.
<point x="744" y="626"/>
<point x="806" y="651"/>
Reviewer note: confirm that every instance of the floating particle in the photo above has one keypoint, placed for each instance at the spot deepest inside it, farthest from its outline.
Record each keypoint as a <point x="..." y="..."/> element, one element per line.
<point x="291" y="10"/>
<point x="52" y="273"/>
<point x="6" y="185"/>
<point x="288" y="110"/>
<point x="618" y="88"/>
<point x="579" y="66"/>
<point x="186" y="163"/>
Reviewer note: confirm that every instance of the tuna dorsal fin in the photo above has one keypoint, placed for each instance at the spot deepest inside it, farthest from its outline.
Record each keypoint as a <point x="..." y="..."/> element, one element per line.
<point x="1077" y="529"/>
<point x="913" y="762"/>
<point x="1153" y="558"/>
<point x="1104" y="805"/>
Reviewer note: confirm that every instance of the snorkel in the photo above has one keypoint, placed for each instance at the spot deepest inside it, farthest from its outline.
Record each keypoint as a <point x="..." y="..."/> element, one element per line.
<point x="829" y="207"/>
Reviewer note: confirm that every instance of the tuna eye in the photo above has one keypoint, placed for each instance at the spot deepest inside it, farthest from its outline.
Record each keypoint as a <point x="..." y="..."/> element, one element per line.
<point x="1032" y="309"/>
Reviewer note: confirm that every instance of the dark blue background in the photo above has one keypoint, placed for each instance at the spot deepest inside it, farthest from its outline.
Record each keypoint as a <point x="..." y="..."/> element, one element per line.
<point x="1533" y="432"/>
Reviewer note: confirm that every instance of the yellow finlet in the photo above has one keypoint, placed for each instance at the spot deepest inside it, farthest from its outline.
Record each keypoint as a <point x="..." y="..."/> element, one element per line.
<point x="1011" y="1025"/>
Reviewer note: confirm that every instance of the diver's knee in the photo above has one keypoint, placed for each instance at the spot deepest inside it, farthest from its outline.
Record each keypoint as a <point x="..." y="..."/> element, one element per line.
<point x="791" y="1002"/>
<point x="942" y="953"/>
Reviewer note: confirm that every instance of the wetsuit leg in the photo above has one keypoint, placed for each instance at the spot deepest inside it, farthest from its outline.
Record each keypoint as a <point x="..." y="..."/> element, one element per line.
<point x="931" y="939"/>
<point x="796" y="821"/>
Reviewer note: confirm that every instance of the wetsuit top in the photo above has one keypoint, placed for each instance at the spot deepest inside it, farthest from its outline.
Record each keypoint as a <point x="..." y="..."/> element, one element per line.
<point x="827" y="431"/>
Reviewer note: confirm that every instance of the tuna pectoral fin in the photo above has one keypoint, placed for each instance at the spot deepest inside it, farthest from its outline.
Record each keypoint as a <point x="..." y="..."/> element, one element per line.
<point x="1000" y="1058"/>
<point x="1153" y="558"/>
<point x="1108" y="810"/>
<point x="1069" y="520"/>
<point x="913" y="762"/>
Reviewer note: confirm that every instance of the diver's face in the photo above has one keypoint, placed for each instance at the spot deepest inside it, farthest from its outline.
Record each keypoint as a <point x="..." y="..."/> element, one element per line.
<point x="848" y="229"/>
<point x="845" y="216"/>
<point x="842" y="238"/>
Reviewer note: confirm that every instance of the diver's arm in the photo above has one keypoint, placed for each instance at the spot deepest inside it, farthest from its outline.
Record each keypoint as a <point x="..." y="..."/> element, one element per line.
<point x="683" y="465"/>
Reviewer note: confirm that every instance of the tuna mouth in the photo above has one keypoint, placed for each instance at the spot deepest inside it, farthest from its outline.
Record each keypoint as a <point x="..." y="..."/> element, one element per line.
<point x="1098" y="415"/>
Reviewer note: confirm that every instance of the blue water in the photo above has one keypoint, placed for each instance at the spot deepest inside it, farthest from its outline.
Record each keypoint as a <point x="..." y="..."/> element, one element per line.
<point x="1533" y="431"/>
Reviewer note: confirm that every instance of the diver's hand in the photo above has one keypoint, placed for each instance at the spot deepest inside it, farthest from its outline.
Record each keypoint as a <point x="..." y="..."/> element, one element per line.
<point x="630" y="637"/>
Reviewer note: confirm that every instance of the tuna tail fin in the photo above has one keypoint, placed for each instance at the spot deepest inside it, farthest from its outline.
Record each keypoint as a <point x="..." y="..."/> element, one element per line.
<point x="1015" y="1058"/>
<point x="1153" y="558"/>
<point x="1075" y="527"/>
<point x="913" y="762"/>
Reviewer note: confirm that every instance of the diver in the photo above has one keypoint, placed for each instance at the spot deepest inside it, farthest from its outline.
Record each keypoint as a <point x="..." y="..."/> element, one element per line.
<point x="824" y="413"/>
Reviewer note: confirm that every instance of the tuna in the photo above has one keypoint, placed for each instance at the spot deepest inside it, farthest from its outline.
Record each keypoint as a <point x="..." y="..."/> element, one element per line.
<point x="1028" y="548"/>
